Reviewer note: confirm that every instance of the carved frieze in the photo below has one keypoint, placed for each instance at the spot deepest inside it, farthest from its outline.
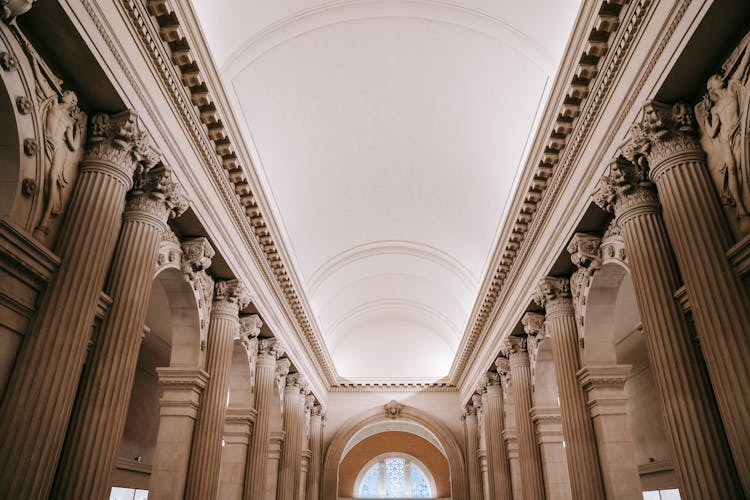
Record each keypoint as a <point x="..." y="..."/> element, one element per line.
<point x="723" y="119"/>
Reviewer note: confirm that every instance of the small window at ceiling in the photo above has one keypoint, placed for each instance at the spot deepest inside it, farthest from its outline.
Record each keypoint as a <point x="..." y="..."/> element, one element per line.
<point x="395" y="475"/>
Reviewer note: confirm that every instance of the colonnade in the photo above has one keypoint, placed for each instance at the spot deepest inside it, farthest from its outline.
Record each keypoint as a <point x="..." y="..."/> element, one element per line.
<point x="66" y="404"/>
<point x="673" y="232"/>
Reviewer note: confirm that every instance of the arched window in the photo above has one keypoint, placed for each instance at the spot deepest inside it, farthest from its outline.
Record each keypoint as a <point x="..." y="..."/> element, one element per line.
<point x="394" y="475"/>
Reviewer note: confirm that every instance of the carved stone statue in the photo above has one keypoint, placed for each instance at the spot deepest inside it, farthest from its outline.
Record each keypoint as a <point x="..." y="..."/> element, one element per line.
<point x="63" y="125"/>
<point x="720" y="115"/>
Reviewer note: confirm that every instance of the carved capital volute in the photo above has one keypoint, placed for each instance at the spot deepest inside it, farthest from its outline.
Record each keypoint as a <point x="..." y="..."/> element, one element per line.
<point x="196" y="256"/>
<point x="626" y="191"/>
<point x="515" y="348"/>
<point x="533" y="324"/>
<point x="230" y="297"/>
<point x="470" y="409"/>
<point x="293" y="381"/>
<point x="250" y="326"/>
<point x="492" y="381"/>
<point x="476" y="401"/>
<point x="270" y="350"/>
<point x="156" y="196"/>
<point x="584" y="250"/>
<point x="664" y="136"/>
<point x="317" y="410"/>
<point x="554" y="295"/>
<point x="117" y="145"/>
<point x="282" y="370"/>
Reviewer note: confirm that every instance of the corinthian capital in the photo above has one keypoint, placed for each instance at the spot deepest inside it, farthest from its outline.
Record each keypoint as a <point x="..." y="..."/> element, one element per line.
<point x="282" y="370"/>
<point x="270" y="347"/>
<point x="250" y="325"/>
<point x="533" y="324"/>
<point x="662" y="132"/>
<point x="196" y="255"/>
<point x="476" y="401"/>
<point x="553" y="293"/>
<point x="514" y="345"/>
<point x="232" y="293"/>
<point x="470" y="409"/>
<point x="157" y="193"/>
<point x="294" y="380"/>
<point x="491" y="379"/>
<point x="118" y="141"/>
<point x="627" y="187"/>
<point x="584" y="250"/>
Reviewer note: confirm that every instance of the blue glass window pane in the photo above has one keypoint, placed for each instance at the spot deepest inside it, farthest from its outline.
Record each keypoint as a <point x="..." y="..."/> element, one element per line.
<point x="395" y="477"/>
<point x="369" y="486"/>
<point x="420" y="488"/>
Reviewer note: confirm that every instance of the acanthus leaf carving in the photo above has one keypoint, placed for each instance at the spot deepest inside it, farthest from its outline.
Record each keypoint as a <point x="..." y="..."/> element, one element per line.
<point x="155" y="191"/>
<point x="553" y="293"/>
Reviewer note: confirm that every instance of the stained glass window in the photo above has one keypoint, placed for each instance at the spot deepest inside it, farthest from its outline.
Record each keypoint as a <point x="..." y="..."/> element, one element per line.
<point x="394" y="477"/>
<point x="420" y="488"/>
<point x="399" y="478"/>
<point x="369" y="487"/>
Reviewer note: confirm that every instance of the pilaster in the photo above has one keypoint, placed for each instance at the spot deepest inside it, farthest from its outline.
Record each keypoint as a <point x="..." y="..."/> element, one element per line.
<point x="288" y="487"/>
<point x="238" y="426"/>
<point x="317" y="420"/>
<point x="179" y="404"/>
<point x="607" y="401"/>
<point x="549" y="435"/>
<point x="497" y="458"/>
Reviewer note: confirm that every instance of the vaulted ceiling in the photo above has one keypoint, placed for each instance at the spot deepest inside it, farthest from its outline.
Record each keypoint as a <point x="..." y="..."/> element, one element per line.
<point x="387" y="135"/>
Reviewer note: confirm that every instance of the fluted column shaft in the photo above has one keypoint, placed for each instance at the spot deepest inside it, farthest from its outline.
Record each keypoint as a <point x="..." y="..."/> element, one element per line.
<point x="532" y="476"/>
<point x="205" y="457"/>
<point x="40" y="393"/>
<point x="265" y="368"/>
<point x="291" y="454"/>
<point x="580" y="440"/>
<point x="99" y="414"/>
<point x="472" y="447"/>
<point x="316" y="453"/>
<point x="720" y="305"/>
<point x="497" y="458"/>
<point x="699" y="448"/>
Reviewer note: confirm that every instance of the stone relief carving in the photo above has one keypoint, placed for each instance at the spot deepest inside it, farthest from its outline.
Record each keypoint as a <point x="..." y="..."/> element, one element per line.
<point x="585" y="254"/>
<point x="612" y="246"/>
<point x="393" y="409"/>
<point x="723" y="117"/>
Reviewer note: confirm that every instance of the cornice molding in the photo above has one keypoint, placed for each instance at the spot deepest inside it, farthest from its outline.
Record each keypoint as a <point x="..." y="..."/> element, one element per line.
<point x="564" y="131"/>
<point x="167" y="43"/>
<point x="394" y="387"/>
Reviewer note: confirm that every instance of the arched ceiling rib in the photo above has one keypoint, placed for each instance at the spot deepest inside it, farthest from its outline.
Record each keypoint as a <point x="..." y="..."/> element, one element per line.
<point x="387" y="135"/>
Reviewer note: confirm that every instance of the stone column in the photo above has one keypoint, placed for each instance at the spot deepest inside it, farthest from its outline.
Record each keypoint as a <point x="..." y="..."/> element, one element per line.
<point x="549" y="434"/>
<point x="238" y="427"/>
<point x="39" y="396"/>
<point x="309" y="401"/>
<point x="303" y="470"/>
<point x="583" y="461"/>
<point x="666" y="137"/>
<point x="497" y="458"/>
<point x="291" y="453"/>
<point x="699" y="447"/>
<point x="89" y="455"/>
<point x="510" y="435"/>
<point x="230" y="297"/>
<point x="179" y="403"/>
<point x="257" y="458"/>
<point x="473" y="471"/>
<point x="317" y="417"/>
<point x="532" y="476"/>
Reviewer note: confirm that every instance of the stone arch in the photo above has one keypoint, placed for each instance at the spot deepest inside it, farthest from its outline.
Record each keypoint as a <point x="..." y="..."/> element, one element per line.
<point x="335" y="452"/>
